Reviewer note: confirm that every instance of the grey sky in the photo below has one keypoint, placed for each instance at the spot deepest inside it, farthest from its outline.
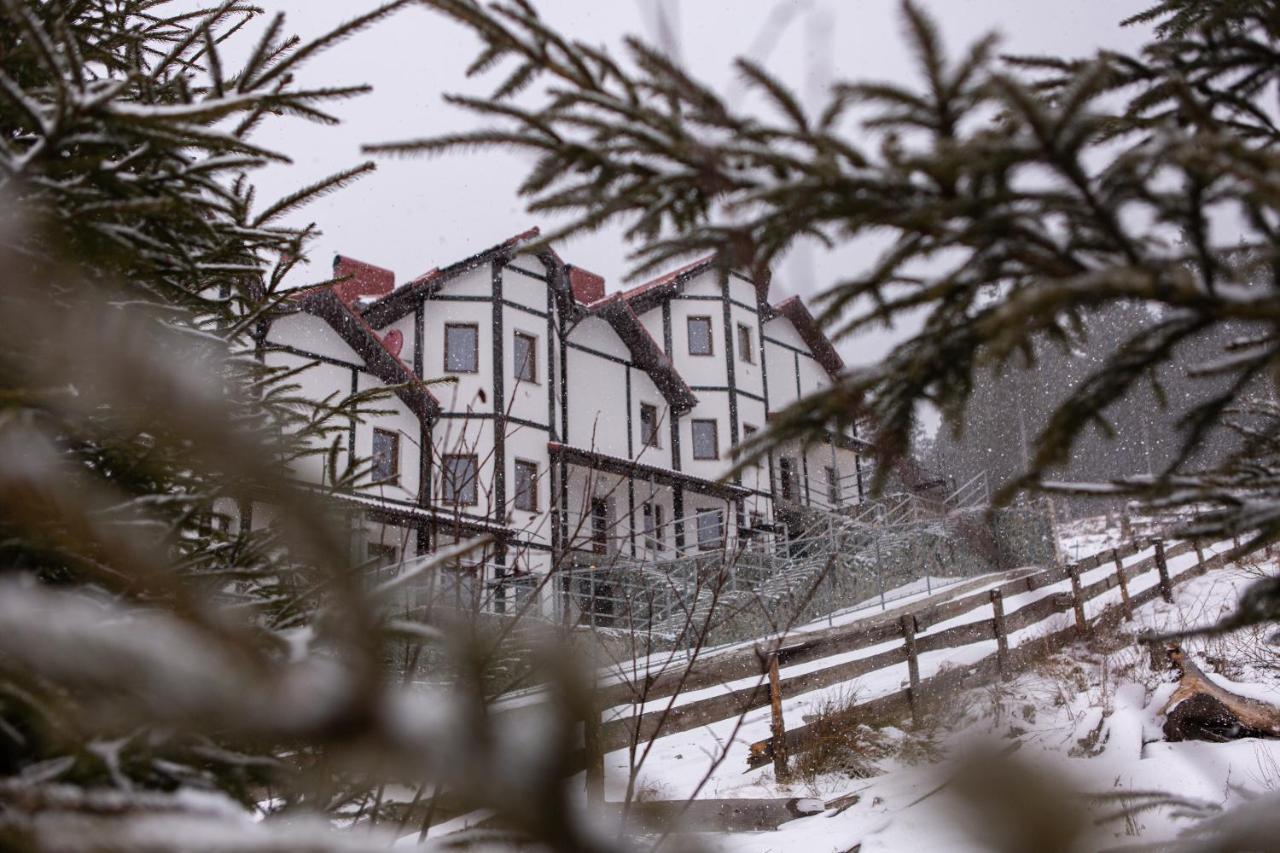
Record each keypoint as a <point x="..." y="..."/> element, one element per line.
<point x="414" y="214"/>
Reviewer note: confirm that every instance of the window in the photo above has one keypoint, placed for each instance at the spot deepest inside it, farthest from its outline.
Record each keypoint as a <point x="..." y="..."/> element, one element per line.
<point x="787" y="473"/>
<point x="650" y="526"/>
<point x="833" y="485"/>
<point x="386" y="456"/>
<point x="649" y="425"/>
<point x="601" y="514"/>
<point x="699" y="336"/>
<point x="525" y="351"/>
<point x="461" y="347"/>
<point x="706" y="441"/>
<point x="459" y="473"/>
<point x="710" y="529"/>
<point x="526" y="485"/>
<point x="659" y="526"/>
<point x="745" y="350"/>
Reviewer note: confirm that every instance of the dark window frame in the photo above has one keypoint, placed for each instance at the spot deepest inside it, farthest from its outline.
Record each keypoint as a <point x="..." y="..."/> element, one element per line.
<point x="475" y="353"/>
<point x="531" y="361"/>
<point x="393" y="478"/>
<point x="654" y="439"/>
<point x="449" y="487"/>
<point x="707" y="543"/>
<point x="688" y="329"/>
<point x="787" y="480"/>
<point x="745" y="350"/>
<point x="715" y="438"/>
<point x="532" y="492"/>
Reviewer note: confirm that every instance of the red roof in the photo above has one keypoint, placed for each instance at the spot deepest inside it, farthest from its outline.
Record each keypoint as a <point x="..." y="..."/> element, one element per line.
<point x="587" y="287"/>
<point x="667" y="278"/>
<point x="359" y="278"/>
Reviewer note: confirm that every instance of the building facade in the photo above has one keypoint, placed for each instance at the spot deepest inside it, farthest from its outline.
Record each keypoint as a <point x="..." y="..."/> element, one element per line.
<point x="570" y="425"/>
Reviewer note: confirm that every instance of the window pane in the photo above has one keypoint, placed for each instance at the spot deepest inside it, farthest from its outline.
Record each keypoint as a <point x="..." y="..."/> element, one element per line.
<point x="386" y="455"/>
<point x="705" y="442"/>
<point x="525" y="353"/>
<point x="709" y="528"/>
<point x="700" y="336"/>
<point x="648" y="425"/>
<point x="459" y="480"/>
<point x="460" y="349"/>
<point x="526" y="496"/>
<point x="745" y="350"/>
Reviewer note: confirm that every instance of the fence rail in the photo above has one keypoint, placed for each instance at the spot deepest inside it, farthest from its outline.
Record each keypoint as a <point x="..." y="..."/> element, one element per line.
<point x="1008" y="657"/>
<point x="911" y="630"/>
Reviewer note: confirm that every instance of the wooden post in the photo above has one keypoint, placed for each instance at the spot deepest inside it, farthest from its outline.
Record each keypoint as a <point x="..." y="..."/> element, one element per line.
<point x="1123" y="580"/>
<point x="908" y="623"/>
<point x="1077" y="599"/>
<point x="781" y="772"/>
<point x="1162" y="566"/>
<point x="595" y="757"/>
<point x="1002" y="635"/>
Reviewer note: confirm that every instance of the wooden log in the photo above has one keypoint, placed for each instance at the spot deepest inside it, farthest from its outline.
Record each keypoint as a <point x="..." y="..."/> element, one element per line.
<point x="913" y="665"/>
<point x="1002" y="633"/>
<point x="1201" y="710"/>
<point x="1162" y="566"/>
<point x="780" y="770"/>
<point x="1124" y="584"/>
<point x="1077" y="599"/>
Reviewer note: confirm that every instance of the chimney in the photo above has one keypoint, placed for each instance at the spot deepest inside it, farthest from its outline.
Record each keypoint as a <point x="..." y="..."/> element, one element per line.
<point x="587" y="287"/>
<point x="361" y="279"/>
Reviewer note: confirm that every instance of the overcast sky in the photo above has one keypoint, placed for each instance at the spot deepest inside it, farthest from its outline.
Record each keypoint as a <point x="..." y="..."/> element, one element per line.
<point x="415" y="214"/>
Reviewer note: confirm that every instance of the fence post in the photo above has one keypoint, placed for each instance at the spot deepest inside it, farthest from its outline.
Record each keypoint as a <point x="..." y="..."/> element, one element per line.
<point x="781" y="773"/>
<point x="1201" y="568"/>
<point x="880" y="574"/>
<point x="1077" y="600"/>
<point x="1123" y="580"/>
<point x="908" y="623"/>
<point x="594" y="748"/>
<point x="1002" y="634"/>
<point x="1162" y="566"/>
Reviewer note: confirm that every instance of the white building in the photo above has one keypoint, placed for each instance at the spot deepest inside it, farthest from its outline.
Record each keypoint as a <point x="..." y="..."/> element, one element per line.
<point x="574" y="426"/>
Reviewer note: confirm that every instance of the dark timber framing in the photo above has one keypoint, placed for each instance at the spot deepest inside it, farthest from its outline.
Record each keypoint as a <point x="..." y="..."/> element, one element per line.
<point x="498" y="331"/>
<point x="677" y="492"/>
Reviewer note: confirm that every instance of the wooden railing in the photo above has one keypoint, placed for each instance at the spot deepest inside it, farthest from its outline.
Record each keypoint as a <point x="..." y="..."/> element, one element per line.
<point x="911" y="631"/>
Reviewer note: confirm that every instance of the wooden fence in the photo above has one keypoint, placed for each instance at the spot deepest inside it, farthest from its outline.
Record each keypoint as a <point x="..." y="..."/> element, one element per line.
<point x="909" y="635"/>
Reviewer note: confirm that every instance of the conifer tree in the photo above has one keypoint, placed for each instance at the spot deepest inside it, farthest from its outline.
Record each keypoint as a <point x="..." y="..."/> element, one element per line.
<point x="139" y="267"/>
<point x="1022" y="196"/>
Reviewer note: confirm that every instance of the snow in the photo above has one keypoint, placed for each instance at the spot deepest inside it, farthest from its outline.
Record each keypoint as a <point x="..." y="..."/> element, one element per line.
<point x="1081" y="690"/>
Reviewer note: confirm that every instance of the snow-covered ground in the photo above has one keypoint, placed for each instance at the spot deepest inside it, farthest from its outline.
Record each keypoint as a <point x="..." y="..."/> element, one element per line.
<point x="1086" y="722"/>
